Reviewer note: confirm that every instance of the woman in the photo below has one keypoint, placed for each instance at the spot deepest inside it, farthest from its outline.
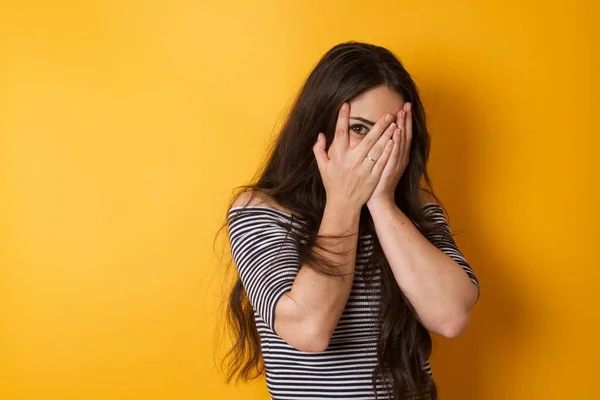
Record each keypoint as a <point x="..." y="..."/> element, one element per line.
<point x="345" y="258"/>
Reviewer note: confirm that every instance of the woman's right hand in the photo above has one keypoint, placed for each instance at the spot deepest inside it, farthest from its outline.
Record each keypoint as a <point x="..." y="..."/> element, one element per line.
<point x="348" y="175"/>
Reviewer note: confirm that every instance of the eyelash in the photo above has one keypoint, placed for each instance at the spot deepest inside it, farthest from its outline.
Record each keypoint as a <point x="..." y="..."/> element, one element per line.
<point x="359" y="126"/>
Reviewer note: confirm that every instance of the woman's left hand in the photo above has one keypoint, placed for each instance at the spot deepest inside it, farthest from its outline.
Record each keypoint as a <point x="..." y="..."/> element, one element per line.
<point x="398" y="159"/>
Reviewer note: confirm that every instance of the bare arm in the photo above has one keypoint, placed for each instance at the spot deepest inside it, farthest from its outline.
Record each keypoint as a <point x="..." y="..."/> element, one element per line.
<point x="435" y="284"/>
<point x="429" y="274"/>
<point x="306" y="316"/>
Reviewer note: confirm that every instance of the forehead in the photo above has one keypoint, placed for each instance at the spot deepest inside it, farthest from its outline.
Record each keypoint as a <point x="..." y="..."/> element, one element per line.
<point x="374" y="103"/>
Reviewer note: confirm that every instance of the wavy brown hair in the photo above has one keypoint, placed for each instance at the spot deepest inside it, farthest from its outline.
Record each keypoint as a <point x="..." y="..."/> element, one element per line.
<point x="292" y="179"/>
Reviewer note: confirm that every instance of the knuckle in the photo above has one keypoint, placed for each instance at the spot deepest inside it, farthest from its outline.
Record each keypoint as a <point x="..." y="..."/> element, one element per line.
<point x="386" y="119"/>
<point x="369" y="140"/>
<point x="380" y="125"/>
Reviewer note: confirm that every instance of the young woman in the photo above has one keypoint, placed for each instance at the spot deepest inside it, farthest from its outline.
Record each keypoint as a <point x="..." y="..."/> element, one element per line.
<point x="345" y="258"/>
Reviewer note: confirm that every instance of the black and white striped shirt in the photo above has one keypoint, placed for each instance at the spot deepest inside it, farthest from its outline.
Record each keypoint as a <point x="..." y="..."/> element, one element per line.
<point x="267" y="262"/>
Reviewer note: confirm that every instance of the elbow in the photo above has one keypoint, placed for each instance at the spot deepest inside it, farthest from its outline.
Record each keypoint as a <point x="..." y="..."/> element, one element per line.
<point x="311" y="339"/>
<point x="303" y="334"/>
<point x="456" y="321"/>
<point x="455" y="326"/>
<point x="307" y="338"/>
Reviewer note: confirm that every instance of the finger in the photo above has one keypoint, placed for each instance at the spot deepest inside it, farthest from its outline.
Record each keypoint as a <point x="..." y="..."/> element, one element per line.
<point x="374" y="134"/>
<point x="319" y="151"/>
<point x="395" y="156"/>
<point x="377" y="149"/>
<point x="402" y="145"/>
<point x="409" y="127"/>
<point x="383" y="160"/>
<point x="405" y="152"/>
<point x="402" y="129"/>
<point x="341" y="141"/>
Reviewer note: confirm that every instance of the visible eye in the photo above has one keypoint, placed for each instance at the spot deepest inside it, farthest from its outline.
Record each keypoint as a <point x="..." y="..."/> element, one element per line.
<point x="358" y="129"/>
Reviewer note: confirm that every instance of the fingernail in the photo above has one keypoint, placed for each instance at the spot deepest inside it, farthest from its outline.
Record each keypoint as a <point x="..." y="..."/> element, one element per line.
<point x="344" y="106"/>
<point x="408" y="106"/>
<point x="388" y="118"/>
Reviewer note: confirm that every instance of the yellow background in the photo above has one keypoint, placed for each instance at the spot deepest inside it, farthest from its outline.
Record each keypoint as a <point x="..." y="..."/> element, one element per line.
<point x="125" y="124"/>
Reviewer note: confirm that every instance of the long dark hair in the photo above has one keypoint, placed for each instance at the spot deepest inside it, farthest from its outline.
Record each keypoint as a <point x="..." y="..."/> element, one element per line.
<point x="292" y="179"/>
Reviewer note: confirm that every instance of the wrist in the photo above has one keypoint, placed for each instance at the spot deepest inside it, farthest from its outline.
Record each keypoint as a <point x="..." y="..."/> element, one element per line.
<point x="343" y="204"/>
<point x="339" y="218"/>
<point x="342" y="207"/>
<point x="380" y="202"/>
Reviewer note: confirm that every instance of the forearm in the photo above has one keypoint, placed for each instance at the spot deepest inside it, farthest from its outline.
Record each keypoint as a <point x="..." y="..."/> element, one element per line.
<point x="308" y="314"/>
<point x="436" y="285"/>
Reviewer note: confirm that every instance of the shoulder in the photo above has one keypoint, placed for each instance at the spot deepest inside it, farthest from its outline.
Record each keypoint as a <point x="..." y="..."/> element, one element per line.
<point x="431" y="207"/>
<point x="428" y="199"/>
<point x="252" y="198"/>
<point x="255" y="219"/>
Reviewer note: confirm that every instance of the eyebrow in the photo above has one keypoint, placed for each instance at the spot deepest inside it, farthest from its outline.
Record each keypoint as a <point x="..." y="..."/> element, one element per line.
<point x="366" y="121"/>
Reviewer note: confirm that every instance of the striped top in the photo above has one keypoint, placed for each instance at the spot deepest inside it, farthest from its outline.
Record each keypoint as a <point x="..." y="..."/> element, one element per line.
<point x="267" y="261"/>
